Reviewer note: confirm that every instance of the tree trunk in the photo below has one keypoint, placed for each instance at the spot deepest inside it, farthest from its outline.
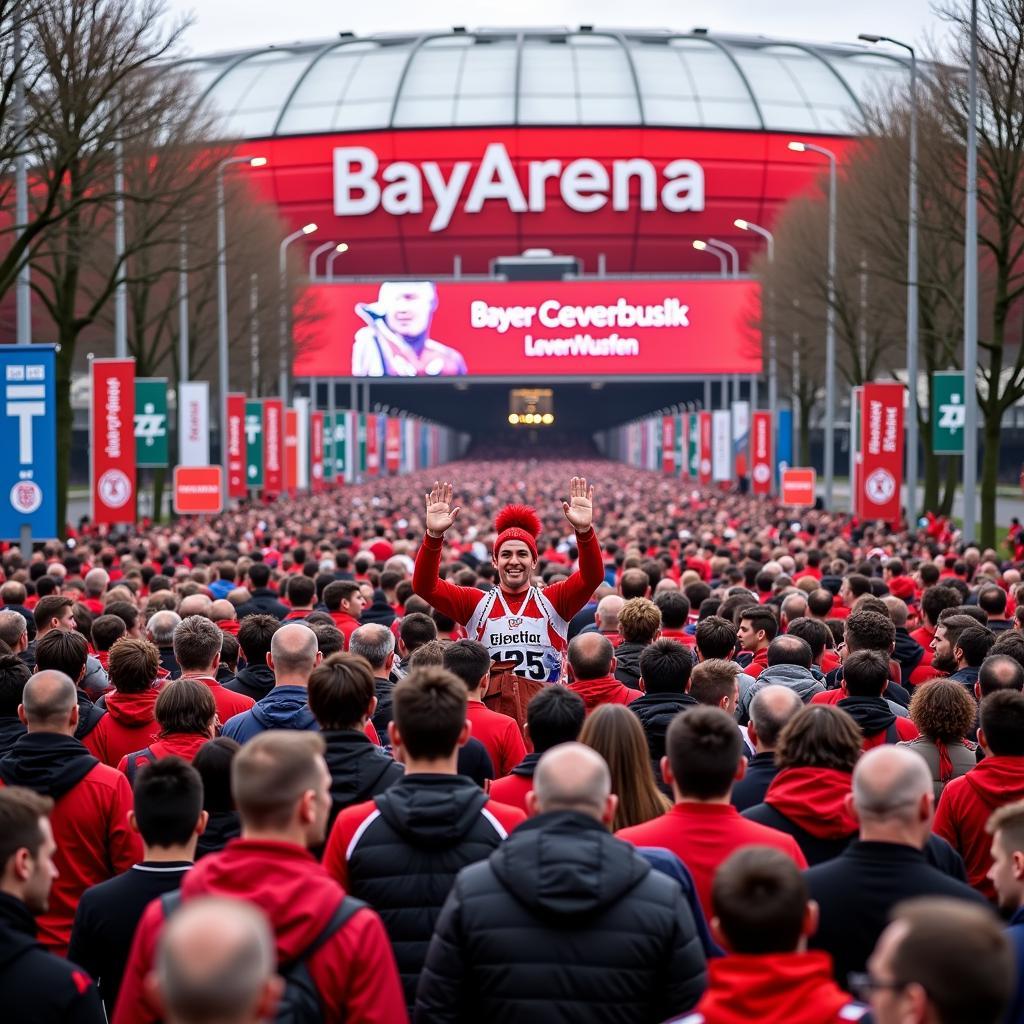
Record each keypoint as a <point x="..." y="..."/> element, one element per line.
<point x="65" y="358"/>
<point x="159" y="478"/>
<point x="805" y="434"/>
<point x="953" y="474"/>
<point x="931" y="478"/>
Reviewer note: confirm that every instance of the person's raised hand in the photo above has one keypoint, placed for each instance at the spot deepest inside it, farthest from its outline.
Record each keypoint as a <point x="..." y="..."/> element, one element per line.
<point x="579" y="509"/>
<point x="439" y="512"/>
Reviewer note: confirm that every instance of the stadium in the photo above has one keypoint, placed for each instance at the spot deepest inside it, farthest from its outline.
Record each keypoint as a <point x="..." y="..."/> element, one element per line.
<point x="431" y="155"/>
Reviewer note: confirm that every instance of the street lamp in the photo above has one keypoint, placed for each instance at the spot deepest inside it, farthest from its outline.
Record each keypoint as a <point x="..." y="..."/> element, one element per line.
<point x="282" y="267"/>
<point x="338" y="250"/>
<point x="830" y="316"/>
<point x="222" y="308"/>
<point x="731" y="250"/>
<point x="315" y="254"/>
<point x="912" y="289"/>
<point x="701" y="246"/>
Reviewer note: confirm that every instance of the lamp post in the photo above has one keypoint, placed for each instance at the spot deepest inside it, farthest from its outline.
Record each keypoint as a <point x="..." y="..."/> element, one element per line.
<point x="971" y="291"/>
<point x="773" y="366"/>
<point x="830" y="317"/>
<point x="120" y="285"/>
<point x="222" y="308"/>
<point x="315" y="254"/>
<point x="183" y="305"/>
<point x="23" y="288"/>
<point x="701" y="246"/>
<point x="338" y="250"/>
<point x="912" y="288"/>
<point x="731" y="250"/>
<point x="282" y="267"/>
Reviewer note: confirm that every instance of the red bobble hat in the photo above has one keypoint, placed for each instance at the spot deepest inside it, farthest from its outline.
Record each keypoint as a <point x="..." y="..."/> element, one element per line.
<point x="517" y="522"/>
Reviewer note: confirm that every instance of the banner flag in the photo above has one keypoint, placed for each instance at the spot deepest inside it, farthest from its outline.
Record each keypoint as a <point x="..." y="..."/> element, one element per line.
<point x="721" y="446"/>
<point x="291" y="450"/>
<point x="112" y="447"/>
<point x="316" y="451"/>
<point x="393" y="444"/>
<point x="237" y="485"/>
<point x="151" y="422"/>
<point x="668" y="445"/>
<point x="194" y="423"/>
<point x="254" y="443"/>
<point x="705" y="449"/>
<point x="761" y="454"/>
<point x="881" y="468"/>
<point x="273" y="446"/>
<point x="302" y="406"/>
<point x="740" y="438"/>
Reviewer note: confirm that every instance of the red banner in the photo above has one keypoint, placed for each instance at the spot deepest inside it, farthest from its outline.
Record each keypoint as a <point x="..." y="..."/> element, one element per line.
<point x="372" y="447"/>
<point x="798" y="485"/>
<point x="196" y="490"/>
<point x="316" y="451"/>
<point x="881" y="467"/>
<point x="704" y="463"/>
<point x="393" y="444"/>
<point x="761" y="453"/>
<point x="291" y="450"/>
<point x="668" y="445"/>
<point x="236" y="446"/>
<point x="113" y="440"/>
<point x="273" y="446"/>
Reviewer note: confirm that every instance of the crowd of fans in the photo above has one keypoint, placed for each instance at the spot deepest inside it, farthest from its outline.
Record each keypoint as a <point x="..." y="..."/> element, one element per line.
<point x="749" y="764"/>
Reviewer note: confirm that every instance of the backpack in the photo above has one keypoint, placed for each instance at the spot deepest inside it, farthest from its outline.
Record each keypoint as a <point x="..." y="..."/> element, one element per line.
<point x="132" y="768"/>
<point x="300" y="1001"/>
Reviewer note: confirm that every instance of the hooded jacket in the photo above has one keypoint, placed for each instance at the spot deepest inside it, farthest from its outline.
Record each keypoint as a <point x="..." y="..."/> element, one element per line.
<point x="965" y="806"/>
<point x="89" y="821"/>
<point x="908" y="652"/>
<point x="877" y="721"/>
<point x="285" y="707"/>
<point x="606" y="690"/>
<point x="380" y="611"/>
<point x="562" y="923"/>
<point x="35" y="985"/>
<point x="796" y="988"/>
<point x="11" y="730"/>
<point x="512" y="788"/>
<point x="808" y="804"/>
<point x="254" y="681"/>
<point x="262" y="601"/>
<point x="627" y="663"/>
<point x="401" y="852"/>
<point x="797" y="678"/>
<point x="89" y="716"/>
<point x="221" y="828"/>
<point x="963" y="756"/>
<point x="656" y="711"/>
<point x="129" y="724"/>
<point x="359" y="769"/>
<point x="176" y="744"/>
<point x="353" y="971"/>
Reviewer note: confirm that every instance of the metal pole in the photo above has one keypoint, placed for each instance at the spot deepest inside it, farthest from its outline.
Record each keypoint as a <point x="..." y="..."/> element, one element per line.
<point x="23" y="288"/>
<point x="282" y="270"/>
<point x="721" y="257"/>
<point x="830" y="338"/>
<point x="797" y="411"/>
<point x="707" y="394"/>
<point x="222" y="330"/>
<point x="734" y="255"/>
<point x="183" y="357"/>
<point x="120" y="287"/>
<point x="753" y="392"/>
<point x="862" y="333"/>
<point x="314" y="255"/>
<point x="912" y="300"/>
<point x="314" y="387"/>
<point x="971" y="292"/>
<point x="254" y="333"/>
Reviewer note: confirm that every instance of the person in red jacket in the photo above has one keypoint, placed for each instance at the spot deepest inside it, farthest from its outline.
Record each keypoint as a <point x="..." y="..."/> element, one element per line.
<point x="344" y="602"/>
<point x="281" y="787"/>
<point x="470" y="662"/>
<point x="592" y="661"/>
<point x="554" y="716"/>
<point x="758" y="628"/>
<point x="968" y="802"/>
<point x="703" y="760"/>
<point x="91" y="800"/>
<point x="865" y="678"/>
<point x="130" y="722"/>
<point x="763" y="917"/>
<point x="515" y="621"/>
<point x="197" y="650"/>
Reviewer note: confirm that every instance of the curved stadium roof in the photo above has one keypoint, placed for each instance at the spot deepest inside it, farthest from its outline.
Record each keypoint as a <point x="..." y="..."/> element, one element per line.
<point x="539" y="77"/>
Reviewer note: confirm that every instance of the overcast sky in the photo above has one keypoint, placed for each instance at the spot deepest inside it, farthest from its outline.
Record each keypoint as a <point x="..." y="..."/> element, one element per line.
<point x="236" y="24"/>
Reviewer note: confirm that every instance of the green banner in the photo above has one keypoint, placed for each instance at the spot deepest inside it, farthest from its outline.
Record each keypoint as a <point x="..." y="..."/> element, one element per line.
<point x="948" y="412"/>
<point x="340" y="445"/>
<point x="151" y="422"/>
<point x="361" y="442"/>
<point x="254" y="443"/>
<point x="328" y="446"/>
<point x="680" y="452"/>
<point x="694" y="445"/>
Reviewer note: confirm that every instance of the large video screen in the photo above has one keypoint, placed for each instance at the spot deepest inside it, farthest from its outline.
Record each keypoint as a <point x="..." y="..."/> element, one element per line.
<point x="596" y="328"/>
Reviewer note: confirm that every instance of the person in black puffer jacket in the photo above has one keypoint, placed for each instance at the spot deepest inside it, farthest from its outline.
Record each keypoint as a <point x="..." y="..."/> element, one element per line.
<point x="563" y="922"/>
<point x="639" y="622"/>
<point x="665" y="668"/>
<point x="341" y="697"/>
<point x="213" y="762"/>
<point x="256" y="680"/>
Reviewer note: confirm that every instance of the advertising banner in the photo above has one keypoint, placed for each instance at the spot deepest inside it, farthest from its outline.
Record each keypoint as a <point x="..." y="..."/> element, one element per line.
<point x="316" y="451"/>
<point x="668" y="445"/>
<point x="694" y="440"/>
<point x="605" y="328"/>
<point x="784" y="455"/>
<point x="948" y="412"/>
<point x="237" y="485"/>
<point x="151" y="422"/>
<point x="254" y="443"/>
<point x="197" y="490"/>
<point x="328" y="443"/>
<point x="408" y="446"/>
<point x="856" y="438"/>
<point x="302" y="443"/>
<point x="194" y="423"/>
<point x="721" y="446"/>
<point x="273" y="446"/>
<point x="761" y="453"/>
<point x="682" y="446"/>
<point x="881" y="468"/>
<point x="112" y="442"/>
<point x="797" y="487"/>
<point x="28" y="469"/>
<point x="342" y="446"/>
<point x="372" y="452"/>
<point x="393" y="444"/>
<point x="291" y="450"/>
<point x="704" y="449"/>
<point x="740" y="438"/>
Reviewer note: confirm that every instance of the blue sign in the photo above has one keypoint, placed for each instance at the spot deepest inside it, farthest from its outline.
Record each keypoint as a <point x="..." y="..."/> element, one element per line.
<point x="784" y="442"/>
<point x="28" y="424"/>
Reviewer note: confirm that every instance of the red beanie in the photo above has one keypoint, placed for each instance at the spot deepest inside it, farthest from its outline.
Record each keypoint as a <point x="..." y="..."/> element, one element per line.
<point x="517" y="522"/>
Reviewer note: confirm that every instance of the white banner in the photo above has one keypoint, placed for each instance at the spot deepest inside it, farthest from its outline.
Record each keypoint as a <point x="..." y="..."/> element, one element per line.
<point x="301" y="406"/>
<point x="721" y="445"/>
<point x="194" y="423"/>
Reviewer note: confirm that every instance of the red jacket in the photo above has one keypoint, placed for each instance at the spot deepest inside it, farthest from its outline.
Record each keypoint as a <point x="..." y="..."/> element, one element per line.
<point x="796" y="988"/>
<point x="815" y="800"/>
<point x="689" y="639"/>
<point x="499" y="734"/>
<point x="128" y="725"/>
<point x="703" y="835"/>
<point x="924" y="636"/>
<point x="758" y="663"/>
<point x="512" y="789"/>
<point x="179" y="744"/>
<point x="606" y="690"/>
<point x="346" y="624"/>
<point x="231" y="626"/>
<point x="966" y="805"/>
<point x="354" y="971"/>
<point x="228" y="702"/>
<point x="89" y="821"/>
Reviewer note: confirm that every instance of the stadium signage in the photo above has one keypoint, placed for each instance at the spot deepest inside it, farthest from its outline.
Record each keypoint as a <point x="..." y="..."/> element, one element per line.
<point x="585" y="185"/>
